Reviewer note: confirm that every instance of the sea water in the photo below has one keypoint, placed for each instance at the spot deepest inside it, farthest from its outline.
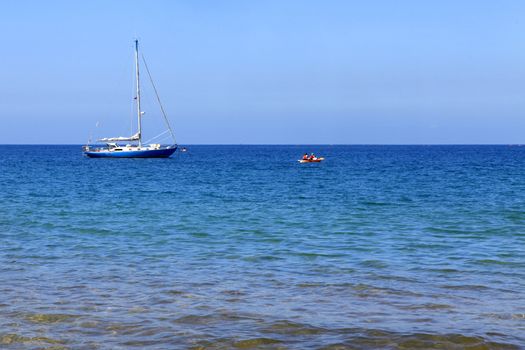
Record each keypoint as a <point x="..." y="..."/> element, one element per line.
<point x="377" y="247"/>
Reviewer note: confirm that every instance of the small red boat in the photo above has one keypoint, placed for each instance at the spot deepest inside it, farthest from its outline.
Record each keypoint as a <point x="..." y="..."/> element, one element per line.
<point x="315" y="160"/>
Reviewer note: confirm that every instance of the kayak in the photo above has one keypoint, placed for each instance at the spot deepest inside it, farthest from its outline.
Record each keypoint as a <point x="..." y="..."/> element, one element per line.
<point x="316" y="160"/>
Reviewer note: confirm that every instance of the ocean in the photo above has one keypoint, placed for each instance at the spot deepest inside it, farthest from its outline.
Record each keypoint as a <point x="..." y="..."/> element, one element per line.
<point x="242" y="247"/>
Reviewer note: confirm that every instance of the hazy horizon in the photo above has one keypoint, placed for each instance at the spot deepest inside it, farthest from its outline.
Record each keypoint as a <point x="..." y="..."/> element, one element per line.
<point x="286" y="144"/>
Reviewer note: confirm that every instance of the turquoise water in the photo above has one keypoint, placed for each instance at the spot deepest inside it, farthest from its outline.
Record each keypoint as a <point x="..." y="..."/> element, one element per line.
<point x="378" y="247"/>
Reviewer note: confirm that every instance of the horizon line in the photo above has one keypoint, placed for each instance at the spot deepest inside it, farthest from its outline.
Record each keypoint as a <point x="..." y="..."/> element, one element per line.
<point x="288" y="144"/>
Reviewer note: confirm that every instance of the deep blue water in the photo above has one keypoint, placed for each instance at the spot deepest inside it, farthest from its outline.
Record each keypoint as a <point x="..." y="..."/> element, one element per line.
<point x="378" y="247"/>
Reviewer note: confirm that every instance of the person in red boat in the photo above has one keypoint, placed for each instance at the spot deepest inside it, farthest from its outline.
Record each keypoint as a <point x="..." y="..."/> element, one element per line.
<point x="312" y="157"/>
<point x="305" y="157"/>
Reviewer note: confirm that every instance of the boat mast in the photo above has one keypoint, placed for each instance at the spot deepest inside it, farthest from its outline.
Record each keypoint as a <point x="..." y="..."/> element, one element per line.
<point x="139" y="113"/>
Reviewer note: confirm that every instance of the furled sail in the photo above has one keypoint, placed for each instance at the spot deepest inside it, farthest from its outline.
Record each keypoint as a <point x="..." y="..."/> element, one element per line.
<point x="135" y="137"/>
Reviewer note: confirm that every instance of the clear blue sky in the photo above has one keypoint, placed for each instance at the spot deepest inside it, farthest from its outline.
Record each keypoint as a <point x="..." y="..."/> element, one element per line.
<point x="267" y="71"/>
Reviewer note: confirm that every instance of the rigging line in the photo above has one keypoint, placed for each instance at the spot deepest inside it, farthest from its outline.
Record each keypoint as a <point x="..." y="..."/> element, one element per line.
<point x="158" y="99"/>
<point x="159" y="135"/>
<point x="164" y="138"/>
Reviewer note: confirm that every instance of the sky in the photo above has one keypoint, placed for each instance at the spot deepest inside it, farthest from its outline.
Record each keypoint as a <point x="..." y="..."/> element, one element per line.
<point x="266" y="71"/>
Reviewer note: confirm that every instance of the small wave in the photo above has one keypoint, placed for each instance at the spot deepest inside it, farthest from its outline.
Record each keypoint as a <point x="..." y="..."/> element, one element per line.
<point x="362" y="290"/>
<point x="50" y="318"/>
<point x="454" y="230"/>
<point x="445" y="270"/>
<point x="374" y="263"/>
<point x="234" y="343"/>
<point x="195" y="319"/>
<point x="233" y="292"/>
<point x="498" y="262"/>
<point x="174" y="292"/>
<point x="254" y="343"/>
<point x="428" y="306"/>
<point x="377" y="339"/>
<point x="12" y="338"/>
<point x="371" y="203"/>
<point x="223" y="316"/>
<point x="285" y="327"/>
<point x="465" y="287"/>
<point x="506" y="316"/>
<point x="257" y="258"/>
<point x="313" y="256"/>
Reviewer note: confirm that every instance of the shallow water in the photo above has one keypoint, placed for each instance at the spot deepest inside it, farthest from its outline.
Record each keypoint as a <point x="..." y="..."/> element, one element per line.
<point x="378" y="247"/>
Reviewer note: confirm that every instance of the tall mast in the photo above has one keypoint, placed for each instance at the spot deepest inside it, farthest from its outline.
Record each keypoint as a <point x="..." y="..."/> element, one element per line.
<point x="139" y="113"/>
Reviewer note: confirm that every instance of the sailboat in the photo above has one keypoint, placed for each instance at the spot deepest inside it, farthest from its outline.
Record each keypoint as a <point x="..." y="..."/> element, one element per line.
<point x="137" y="149"/>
